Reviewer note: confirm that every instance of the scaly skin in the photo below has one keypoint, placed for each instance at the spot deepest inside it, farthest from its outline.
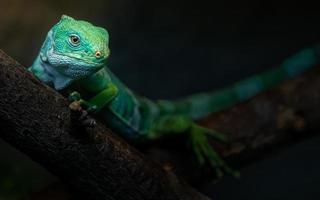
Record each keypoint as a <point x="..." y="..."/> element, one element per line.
<point x="74" y="56"/>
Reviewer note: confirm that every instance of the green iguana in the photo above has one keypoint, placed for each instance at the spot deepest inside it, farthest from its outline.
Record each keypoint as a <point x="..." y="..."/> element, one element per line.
<point x="74" y="56"/>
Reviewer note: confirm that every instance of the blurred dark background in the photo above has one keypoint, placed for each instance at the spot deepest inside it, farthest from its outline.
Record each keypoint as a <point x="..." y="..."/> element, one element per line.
<point x="168" y="49"/>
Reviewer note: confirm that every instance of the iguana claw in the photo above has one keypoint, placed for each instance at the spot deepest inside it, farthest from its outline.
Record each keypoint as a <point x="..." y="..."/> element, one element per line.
<point x="81" y="114"/>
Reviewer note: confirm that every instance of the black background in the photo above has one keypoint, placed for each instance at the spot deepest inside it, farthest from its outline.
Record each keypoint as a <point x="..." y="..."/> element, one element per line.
<point x="168" y="49"/>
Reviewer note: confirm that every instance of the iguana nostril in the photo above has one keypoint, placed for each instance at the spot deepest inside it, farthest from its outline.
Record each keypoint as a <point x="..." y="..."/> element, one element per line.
<point x="98" y="54"/>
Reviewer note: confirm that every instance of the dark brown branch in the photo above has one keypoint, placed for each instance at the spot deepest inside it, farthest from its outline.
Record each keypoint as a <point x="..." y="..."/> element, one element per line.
<point x="273" y="119"/>
<point x="286" y="112"/>
<point x="36" y="120"/>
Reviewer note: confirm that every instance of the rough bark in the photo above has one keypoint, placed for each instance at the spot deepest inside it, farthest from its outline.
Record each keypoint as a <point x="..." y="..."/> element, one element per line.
<point x="36" y="120"/>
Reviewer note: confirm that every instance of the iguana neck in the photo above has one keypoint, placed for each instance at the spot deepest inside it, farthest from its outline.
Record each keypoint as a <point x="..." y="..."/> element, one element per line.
<point x="48" y="74"/>
<point x="44" y="70"/>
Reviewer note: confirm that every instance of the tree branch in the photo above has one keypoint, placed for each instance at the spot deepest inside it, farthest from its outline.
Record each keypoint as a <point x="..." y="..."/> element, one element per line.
<point x="36" y="120"/>
<point x="282" y="114"/>
<point x="268" y="121"/>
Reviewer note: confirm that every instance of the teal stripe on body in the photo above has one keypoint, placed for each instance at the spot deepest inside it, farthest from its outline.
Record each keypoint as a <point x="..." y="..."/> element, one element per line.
<point x="200" y="105"/>
<point x="300" y="62"/>
<point x="248" y="88"/>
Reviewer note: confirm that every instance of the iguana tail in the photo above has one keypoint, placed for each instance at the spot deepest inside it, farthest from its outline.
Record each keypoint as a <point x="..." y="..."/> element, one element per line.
<point x="200" y="105"/>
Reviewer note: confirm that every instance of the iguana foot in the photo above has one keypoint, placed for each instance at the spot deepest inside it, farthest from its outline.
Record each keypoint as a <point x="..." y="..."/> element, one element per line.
<point x="81" y="110"/>
<point x="86" y="120"/>
<point x="198" y="137"/>
<point x="204" y="151"/>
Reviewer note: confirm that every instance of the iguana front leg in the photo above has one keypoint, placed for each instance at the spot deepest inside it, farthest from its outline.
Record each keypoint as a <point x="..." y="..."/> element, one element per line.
<point x="104" y="97"/>
<point x="95" y="104"/>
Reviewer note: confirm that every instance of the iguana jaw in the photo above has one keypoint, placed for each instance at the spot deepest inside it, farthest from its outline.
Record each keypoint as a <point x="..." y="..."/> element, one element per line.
<point x="87" y="60"/>
<point x="65" y="69"/>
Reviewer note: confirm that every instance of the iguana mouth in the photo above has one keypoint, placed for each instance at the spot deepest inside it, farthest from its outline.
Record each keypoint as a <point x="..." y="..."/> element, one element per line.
<point x="99" y="61"/>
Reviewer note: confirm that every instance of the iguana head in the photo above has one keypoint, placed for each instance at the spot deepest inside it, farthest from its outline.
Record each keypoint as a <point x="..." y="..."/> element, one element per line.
<point x="75" y="49"/>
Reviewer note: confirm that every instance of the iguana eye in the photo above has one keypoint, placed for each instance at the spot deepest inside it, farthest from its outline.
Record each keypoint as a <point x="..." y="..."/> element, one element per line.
<point x="74" y="40"/>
